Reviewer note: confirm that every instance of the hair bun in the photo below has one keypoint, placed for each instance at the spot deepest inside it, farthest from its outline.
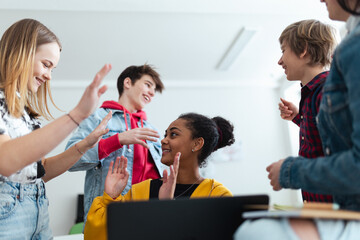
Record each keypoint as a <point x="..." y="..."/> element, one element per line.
<point x="226" y="132"/>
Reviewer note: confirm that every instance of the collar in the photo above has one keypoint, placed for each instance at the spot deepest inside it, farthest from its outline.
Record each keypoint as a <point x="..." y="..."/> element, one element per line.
<point x="352" y="22"/>
<point x="318" y="79"/>
<point x="115" y="105"/>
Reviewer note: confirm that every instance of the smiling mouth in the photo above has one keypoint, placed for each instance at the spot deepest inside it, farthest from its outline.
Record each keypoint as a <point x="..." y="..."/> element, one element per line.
<point x="147" y="98"/>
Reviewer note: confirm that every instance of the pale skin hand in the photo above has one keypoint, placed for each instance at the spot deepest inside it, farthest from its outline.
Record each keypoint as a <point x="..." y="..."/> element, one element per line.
<point x="35" y="145"/>
<point x="91" y="96"/>
<point x="167" y="189"/>
<point x="287" y="110"/>
<point x="137" y="135"/>
<point x="56" y="165"/>
<point x="117" y="177"/>
<point x="274" y="174"/>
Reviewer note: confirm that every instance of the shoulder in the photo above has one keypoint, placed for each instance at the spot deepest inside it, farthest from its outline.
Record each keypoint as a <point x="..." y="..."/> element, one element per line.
<point x="217" y="188"/>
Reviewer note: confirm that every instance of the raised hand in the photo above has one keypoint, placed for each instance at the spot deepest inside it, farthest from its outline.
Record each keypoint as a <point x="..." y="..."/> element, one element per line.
<point x="137" y="135"/>
<point x="287" y="110"/>
<point x="274" y="174"/>
<point x="94" y="137"/>
<point x="91" y="96"/>
<point x="117" y="177"/>
<point x="167" y="189"/>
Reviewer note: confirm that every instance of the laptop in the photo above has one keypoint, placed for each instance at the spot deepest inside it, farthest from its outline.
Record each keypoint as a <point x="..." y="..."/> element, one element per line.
<point x="199" y="218"/>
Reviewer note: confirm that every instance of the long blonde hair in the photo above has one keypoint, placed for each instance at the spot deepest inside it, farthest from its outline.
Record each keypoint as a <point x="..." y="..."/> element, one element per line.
<point x="17" y="53"/>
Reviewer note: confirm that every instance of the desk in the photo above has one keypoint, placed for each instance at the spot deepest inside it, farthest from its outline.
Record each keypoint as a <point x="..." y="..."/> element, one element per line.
<point x="70" y="237"/>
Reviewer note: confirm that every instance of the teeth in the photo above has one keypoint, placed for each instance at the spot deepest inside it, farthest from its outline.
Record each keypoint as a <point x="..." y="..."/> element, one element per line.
<point x="166" y="150"/>
<point x="147" y="99"/>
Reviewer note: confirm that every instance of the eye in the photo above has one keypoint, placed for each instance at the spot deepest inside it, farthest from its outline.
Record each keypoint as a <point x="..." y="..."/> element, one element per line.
<point x="46" y="65"/>
<point x="173" y="134"/>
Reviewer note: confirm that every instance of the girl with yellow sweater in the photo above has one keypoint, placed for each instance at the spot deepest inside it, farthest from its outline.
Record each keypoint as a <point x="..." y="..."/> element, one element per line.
<point x="194" y="137"/>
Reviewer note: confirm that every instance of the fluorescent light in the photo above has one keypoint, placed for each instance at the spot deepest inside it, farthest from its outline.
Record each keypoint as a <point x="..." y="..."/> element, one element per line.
<point x="235" y="48"/>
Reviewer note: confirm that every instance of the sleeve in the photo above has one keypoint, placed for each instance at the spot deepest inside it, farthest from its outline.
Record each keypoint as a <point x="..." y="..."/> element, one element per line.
<point x="91" y="157"/>
<point x="339" y="172"/>
<point x="221" y="191"/>
<point x="95" y="226"/>
<point x="3" y="128"/>
<point x="108" y="145"/>
<point x="296" y="120"/>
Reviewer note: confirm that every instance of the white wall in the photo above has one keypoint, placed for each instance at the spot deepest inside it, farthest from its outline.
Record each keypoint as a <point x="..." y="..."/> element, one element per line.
<point x="252" y="109"/>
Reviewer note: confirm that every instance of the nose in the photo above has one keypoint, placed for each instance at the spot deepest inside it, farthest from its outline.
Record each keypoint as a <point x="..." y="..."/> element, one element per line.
<point x="164" y="141"/>
<point x="152" y="92"/>
<point x="280" y="62"/>
<point x="47" y="75"/>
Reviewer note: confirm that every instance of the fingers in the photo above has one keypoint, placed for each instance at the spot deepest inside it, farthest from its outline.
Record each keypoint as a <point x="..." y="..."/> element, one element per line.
<point x="165" y="176"/>
<point x="123" y="164"/>
<point x="106" y="119"/>
<point x="102" y="90"/>
<point x="117" y="163"/>
<point x="110" y="168"/>
<point x="100" y="75"/>
<point x="177" y="161"/>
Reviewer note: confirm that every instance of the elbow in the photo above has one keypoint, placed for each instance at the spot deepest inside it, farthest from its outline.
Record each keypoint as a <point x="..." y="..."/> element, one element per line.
<point x="5" y="171"/>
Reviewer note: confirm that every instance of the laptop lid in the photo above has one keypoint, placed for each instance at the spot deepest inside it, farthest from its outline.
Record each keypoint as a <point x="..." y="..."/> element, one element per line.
<point x="200" y="218"/>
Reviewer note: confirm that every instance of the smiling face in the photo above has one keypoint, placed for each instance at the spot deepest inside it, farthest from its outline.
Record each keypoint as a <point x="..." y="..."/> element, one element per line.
<point x="140" y="93"/>
<point x="291" y="63"/>
<point x="46" y="59"/>
<point x="178" y="138"/>
<point x="335" y="10"/>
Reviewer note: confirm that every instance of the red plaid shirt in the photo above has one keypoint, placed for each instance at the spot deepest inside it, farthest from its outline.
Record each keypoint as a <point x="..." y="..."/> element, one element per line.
<point x="310" y="142"/>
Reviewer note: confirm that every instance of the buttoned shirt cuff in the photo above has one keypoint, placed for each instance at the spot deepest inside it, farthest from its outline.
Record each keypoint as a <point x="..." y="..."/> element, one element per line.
<point x="296" y="119"/>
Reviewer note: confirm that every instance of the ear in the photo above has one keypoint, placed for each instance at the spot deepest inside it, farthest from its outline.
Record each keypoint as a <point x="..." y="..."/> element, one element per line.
<point x="303" y="54"/>
<point x="127" y="83"/>
<point x="198" y="144"/>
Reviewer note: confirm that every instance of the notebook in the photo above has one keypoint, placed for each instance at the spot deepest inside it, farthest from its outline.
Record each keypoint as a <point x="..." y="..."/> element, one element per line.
<point x="200" y="218"/>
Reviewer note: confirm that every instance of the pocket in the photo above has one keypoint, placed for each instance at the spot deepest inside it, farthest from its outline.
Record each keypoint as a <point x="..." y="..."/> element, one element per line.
<point x="335" y="104"/>
<point x="8" y="204"/>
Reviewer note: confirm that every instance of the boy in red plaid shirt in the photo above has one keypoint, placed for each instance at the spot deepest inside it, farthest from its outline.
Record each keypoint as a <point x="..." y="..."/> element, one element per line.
<point x="307" y="47"/>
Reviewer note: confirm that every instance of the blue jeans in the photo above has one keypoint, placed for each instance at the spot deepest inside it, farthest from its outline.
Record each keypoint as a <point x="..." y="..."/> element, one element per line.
<point x="24" y="211"/>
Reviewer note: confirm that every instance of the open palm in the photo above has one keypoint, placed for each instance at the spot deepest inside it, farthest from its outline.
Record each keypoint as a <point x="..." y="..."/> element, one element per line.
<point x="167" y="189"/>
<point x="117" y="177"/>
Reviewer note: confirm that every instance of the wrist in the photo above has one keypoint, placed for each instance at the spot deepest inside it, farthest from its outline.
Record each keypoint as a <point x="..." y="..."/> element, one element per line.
<point x="76" y="116"/>
<point x="81" y="147"/>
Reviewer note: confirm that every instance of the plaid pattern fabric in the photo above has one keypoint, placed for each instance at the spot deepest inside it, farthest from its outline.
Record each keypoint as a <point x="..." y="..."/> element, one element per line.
<point x="310" y="142"/>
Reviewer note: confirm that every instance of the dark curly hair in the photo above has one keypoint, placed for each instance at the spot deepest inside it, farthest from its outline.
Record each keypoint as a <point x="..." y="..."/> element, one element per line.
<point x="216" y="132"/>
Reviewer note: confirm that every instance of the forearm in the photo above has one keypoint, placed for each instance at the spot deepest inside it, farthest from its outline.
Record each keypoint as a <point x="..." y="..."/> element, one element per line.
<point x="56" y="165"/>
<point x="29" y="148"/>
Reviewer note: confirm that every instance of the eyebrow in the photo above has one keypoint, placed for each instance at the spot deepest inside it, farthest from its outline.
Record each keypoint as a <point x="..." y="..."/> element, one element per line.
<point x="174" y="128"/>
<point x="151" y="83"/>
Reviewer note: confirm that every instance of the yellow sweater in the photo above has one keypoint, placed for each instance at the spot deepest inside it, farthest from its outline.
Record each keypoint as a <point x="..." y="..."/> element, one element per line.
<point x="95" y="227"/>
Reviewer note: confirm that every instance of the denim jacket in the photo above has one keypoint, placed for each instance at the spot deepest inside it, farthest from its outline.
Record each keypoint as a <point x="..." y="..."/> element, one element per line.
<point x="96" y="169"/>
<point x="338" y="173"/>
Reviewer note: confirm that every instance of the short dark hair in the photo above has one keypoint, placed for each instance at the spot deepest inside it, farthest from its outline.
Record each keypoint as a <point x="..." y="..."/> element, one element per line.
<point x="216" y="132"/>
<point x="135" y="73"/>
<point x="344" y="4"/>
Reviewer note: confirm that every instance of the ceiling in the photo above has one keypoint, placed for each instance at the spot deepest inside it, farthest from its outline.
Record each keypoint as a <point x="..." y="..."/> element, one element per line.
<point x="184" y="39"/>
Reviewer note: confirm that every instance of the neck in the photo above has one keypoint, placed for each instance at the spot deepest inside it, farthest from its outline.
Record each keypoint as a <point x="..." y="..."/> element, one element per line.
<point x="188" y="176"/>
<point x="311" y="73"/>
<point x="123" y="101"/>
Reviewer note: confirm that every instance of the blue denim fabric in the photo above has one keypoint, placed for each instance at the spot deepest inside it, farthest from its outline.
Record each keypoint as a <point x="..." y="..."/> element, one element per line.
<point x="24" y="211"/>
<point x="95" y="173"/>
<point x="338" y="173"/>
